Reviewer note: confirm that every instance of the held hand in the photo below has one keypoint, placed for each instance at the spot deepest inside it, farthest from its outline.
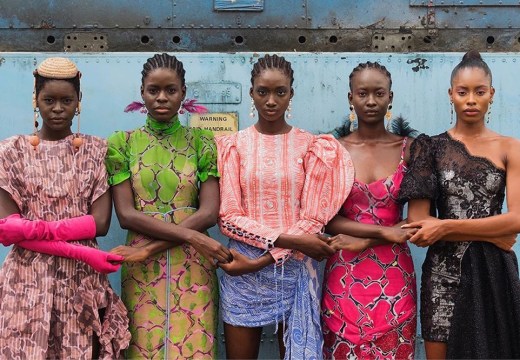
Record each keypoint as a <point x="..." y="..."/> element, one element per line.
<point x="315" y="246"/>
<point x="430" y="231"/>
<point x="241" y="264"/>
<point x="131" y="254"/>
<point x="350" y="243"/>
<point x="209" y="248"/>
<point x="398" y="235"/>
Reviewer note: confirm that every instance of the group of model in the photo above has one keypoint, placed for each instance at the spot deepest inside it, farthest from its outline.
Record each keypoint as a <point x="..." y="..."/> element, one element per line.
<point x="275" y="190"/>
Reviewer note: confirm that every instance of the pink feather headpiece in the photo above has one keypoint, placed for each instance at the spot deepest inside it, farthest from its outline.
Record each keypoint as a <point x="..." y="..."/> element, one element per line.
<point x="188" y="105"/>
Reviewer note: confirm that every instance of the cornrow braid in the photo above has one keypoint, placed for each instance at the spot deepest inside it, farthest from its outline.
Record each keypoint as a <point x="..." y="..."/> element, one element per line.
<point x="163" y="61"/>
<point x="472" y="59"/>
<point x="272" y="62"/>
<point x="370" y="65"/>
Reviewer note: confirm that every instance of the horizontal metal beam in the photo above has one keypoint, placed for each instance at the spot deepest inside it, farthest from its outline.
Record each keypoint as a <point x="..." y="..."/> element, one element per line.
<point x="236" y="40"/>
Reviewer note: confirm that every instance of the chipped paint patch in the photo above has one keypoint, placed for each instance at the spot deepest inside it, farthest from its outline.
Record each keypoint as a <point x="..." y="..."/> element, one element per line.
<point x="421" y="64"/>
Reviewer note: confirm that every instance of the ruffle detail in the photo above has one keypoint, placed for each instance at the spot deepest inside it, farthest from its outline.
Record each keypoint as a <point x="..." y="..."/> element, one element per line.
<point x="112" y="331"/>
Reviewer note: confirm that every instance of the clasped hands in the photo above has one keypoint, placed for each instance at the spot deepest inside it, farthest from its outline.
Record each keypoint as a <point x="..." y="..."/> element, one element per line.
<point x="430" y="231"/>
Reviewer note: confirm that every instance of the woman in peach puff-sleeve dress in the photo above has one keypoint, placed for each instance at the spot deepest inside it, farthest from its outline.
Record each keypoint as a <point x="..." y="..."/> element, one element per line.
<point x="273" y="185"/>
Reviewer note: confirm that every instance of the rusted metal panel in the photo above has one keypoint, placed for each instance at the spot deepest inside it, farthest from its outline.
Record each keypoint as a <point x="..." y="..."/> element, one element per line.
<point x="85" y="14"/>
<point x="275" y="15"/>
<point x="397" y="26"/>
<point x="461" y="3"/>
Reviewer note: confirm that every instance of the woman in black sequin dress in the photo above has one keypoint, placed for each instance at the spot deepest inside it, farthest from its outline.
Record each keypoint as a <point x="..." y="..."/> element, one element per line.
<point x="470" y="291"/>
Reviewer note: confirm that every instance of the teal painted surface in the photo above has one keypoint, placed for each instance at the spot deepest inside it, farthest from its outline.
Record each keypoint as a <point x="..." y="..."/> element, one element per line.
<point x="111" y="81"/>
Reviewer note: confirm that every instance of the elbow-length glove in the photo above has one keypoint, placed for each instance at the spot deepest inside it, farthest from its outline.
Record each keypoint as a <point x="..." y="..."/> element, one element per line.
<point x="15" y="228"/>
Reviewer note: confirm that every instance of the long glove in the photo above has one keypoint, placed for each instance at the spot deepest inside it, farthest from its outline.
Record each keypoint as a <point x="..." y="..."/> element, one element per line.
<point x="99" y="260"/>
<point x="15" y="228"/>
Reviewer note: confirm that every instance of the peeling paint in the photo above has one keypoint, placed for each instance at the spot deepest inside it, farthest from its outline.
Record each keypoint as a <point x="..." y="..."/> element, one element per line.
<point x="421" y="64"/>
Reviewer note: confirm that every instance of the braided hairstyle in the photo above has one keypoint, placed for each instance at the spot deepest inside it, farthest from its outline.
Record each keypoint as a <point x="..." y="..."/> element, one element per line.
<point x="472" y="59"/>
<point x="344" y="129"/>
<point x="272" y="62"/>
<point x="163" y="61"/>
<point x="369" y="65"/>
<point x="41" y="80"/>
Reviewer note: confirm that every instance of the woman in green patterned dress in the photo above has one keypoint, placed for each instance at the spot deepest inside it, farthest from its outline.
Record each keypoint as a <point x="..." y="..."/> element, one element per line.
<point x="168" y="279"/>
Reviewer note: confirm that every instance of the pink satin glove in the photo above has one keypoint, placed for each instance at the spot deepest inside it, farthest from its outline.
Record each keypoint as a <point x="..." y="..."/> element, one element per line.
<point x="15" y="228"/>
<point x="99" y="260"/>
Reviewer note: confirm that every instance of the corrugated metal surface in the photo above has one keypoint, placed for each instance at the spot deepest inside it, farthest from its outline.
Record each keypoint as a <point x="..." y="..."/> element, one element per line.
<point x="230" y="25"/>
<point x="111" y="81"/>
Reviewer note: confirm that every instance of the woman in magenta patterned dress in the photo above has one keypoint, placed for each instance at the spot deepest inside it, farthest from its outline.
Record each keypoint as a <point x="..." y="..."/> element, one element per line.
<point x="369" y="296"/>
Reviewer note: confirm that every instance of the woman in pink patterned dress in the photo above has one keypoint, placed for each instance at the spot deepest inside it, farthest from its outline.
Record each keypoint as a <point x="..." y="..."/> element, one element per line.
<point x="54" y="189"/>
<point x="369" y="296"/>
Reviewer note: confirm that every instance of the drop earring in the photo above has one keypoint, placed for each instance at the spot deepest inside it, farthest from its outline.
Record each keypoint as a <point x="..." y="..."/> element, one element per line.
<point x="77" y="141"/>
<point x="489" y="111"/>
<point x="388" y="116"/>
<point x="289" y="109"/>
<point x="34" y="140"/>
<point x="451" y="112"/>
<point x="352" y="118"/>
<point x="252" y="113"/>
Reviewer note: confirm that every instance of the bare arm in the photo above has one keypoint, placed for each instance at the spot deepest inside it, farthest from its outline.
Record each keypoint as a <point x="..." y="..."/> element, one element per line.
<point x="431" y="229"/>
<point x="135" y="220"/>
<point x="375" y="234"/>
<point x="204" y="218"/>
<point x="101" y="210"/>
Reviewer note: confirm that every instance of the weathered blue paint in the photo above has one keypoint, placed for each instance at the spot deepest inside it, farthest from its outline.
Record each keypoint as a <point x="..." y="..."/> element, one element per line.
<point x="111" y="81"/>
<point x="239" y="5"/>
<point x="308" y="14"/>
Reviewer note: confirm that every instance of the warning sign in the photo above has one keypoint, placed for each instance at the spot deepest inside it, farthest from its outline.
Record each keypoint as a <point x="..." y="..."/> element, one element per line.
<point x="219" y="123"/>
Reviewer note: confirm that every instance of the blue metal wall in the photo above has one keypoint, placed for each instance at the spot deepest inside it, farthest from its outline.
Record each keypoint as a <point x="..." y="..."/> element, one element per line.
<point x="111" y="81"/>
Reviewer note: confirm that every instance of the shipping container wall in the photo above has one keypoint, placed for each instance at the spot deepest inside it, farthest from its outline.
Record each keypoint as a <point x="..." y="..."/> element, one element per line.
<point x="110" y="81"/>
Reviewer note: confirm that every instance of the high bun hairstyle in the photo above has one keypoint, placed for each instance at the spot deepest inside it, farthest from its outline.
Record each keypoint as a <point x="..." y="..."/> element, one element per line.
<point x="272" y="62"/>
<point x="163" y="61"/>
<point x="370" y="65"/>
<point x="472" y="59"/>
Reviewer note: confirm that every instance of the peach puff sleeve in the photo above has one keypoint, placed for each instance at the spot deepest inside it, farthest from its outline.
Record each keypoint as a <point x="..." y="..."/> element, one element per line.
<point x="329" y="176"/>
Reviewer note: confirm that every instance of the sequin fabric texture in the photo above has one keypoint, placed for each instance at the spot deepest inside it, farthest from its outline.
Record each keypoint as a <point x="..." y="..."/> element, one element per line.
<point x="470" y="291"/>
